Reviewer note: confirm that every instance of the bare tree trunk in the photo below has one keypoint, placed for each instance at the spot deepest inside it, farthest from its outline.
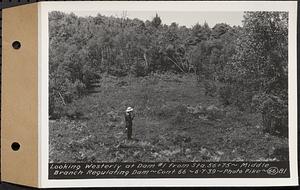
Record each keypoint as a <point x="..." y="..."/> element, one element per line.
<point x="102" y="56"/>
<point x="62" y="98"/>
<point x="146" y="61"/>
<point x="176" y="64"/>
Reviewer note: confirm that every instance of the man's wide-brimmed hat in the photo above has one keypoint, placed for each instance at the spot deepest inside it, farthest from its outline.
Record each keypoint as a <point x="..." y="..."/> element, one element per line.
<point x="129" y="109"/>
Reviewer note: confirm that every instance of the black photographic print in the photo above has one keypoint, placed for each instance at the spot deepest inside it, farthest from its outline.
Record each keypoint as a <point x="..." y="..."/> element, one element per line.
<point x="154" y="94"/>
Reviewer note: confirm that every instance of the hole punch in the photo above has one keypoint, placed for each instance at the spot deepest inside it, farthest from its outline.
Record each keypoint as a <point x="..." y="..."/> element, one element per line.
<point x="15" y="146"/>
<point x="16" y="45"/>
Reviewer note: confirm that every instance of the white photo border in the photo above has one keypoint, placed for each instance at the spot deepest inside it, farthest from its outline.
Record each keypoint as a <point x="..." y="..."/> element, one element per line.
<point x="180" y="6"/>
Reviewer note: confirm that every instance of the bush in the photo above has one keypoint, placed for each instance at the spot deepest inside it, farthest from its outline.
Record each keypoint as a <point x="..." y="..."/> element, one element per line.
<point x="73" y="111"/>
<point x="79" y="88"/>
<point x="274" y="111"/>
<point x="214" y="112"/>
<point x="281" y="153"/>
<point x="225" y="94"/>
<point x="236" y="95"/>
<point x="56" y="108"/>
<point x="139" y="70"/>
<point x="210" y="88"/>
<point x="181" y="115"/>
<point x="117" y="71"/>
<point x="165" y="112"/>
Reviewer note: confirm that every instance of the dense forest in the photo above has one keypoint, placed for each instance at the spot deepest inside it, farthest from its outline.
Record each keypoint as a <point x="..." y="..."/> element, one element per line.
<point x="241" y="66"/>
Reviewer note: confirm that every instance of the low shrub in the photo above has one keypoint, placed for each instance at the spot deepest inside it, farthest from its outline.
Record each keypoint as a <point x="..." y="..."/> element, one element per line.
<point x="181" y="115"/>
<point x="139" y="70"/>
<point x="281" y="153"/>
<point x="73" y="111"/>
<point x="274" y="110"/>
<point x="225" y="94"/>
<point x="210" y="88"/>
<point x="237" y="96"/>
<point x="165" y="112"/>
<point x="214" y="112"/>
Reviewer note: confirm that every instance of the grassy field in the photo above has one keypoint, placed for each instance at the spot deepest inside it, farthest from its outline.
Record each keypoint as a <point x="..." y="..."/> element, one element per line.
<point x="175" y="121"/>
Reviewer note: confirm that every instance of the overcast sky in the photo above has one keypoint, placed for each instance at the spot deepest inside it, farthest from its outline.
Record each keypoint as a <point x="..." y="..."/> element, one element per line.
<point x="187" y="19"/>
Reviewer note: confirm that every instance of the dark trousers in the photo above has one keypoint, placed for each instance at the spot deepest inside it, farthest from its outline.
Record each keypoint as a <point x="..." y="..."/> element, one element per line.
<point x="129" y="131"/>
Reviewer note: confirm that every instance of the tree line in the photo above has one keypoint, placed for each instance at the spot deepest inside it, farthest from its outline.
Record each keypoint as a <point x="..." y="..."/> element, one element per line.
<point x="250" y="61"/>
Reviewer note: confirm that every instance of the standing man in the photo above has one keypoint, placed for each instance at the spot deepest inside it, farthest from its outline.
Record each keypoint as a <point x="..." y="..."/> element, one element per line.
<point x="128" y="121"/>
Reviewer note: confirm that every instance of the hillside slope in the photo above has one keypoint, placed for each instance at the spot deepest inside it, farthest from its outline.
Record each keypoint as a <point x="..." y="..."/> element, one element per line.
<point x="175" y="121"/>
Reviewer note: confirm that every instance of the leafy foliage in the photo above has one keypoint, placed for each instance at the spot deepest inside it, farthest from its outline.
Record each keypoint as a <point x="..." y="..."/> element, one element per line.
<point x="261" y="67"/>
<point x="244" y="66"/>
